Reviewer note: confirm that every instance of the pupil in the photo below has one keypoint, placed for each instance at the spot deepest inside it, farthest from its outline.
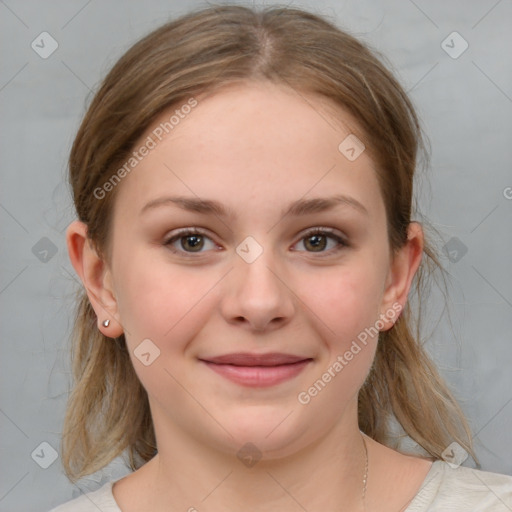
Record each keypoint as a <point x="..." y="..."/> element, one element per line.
<point x="316" y="244"/>
<point x="196" y="241"/>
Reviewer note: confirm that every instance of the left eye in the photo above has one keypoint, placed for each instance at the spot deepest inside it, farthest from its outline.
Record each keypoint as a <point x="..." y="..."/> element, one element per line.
<point x="317" y="239"/>
<point x="193" y="240"/>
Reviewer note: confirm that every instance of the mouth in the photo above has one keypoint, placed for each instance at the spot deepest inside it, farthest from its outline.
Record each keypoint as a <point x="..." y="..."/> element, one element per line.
<point x="257" y="370"/>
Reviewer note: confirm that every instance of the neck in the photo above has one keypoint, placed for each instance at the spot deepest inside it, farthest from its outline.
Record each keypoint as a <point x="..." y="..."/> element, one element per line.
<point x="328" y="474"/>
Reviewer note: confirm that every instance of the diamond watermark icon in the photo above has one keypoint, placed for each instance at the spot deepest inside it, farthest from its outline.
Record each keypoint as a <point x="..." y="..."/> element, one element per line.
<point x="249" y="250"/>
<point x="454" y="249"/>
<point x="44" y="250"/>
<point x="146" y="352"/>
<point x="249" y="454"/>
<point x="44" y="455"/>
<point x="44" y="45"/>
<point x="454" y="45"/>
<point x="454" y="455"/>
<point x="351" y="147"/>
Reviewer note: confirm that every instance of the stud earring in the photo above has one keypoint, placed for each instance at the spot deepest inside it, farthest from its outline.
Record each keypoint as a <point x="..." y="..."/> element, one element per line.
<point x="106" y="323"/>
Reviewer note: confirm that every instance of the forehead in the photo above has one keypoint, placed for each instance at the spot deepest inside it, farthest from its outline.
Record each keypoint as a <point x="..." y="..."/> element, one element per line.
<point x="256" y="143"/>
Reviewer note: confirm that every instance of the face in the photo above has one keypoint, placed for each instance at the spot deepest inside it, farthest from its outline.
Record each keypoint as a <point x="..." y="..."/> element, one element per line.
<point x="269" y="270"/>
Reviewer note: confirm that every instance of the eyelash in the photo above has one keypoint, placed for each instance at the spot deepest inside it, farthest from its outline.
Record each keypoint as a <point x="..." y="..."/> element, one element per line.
<point x="184" y="232"/>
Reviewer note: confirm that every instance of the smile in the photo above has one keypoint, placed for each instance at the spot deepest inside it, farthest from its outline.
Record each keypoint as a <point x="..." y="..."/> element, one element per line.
<point x="252" y="375"/>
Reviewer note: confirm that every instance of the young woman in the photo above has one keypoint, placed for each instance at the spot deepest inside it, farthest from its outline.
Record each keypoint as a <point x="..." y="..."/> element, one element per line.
<point x="243" y="182"/>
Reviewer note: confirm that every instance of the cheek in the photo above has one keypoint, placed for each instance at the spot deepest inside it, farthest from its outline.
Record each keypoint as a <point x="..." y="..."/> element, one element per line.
<point x="161" y="301"/>
<point x="345" y="299"/>
<point x="167" y="305"/>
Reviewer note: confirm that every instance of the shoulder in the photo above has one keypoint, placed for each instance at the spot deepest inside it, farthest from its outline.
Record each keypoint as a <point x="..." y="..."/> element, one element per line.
<point x="101" y="499"/>
<point x="459" y="489"/>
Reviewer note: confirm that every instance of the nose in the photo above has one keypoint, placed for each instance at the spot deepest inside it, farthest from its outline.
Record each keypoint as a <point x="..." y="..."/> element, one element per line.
<point x="257" y="295"/>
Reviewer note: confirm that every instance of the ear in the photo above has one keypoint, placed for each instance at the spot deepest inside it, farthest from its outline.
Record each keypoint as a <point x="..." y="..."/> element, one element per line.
<point x="400" y="276"/>
<point x="95" y="276"/>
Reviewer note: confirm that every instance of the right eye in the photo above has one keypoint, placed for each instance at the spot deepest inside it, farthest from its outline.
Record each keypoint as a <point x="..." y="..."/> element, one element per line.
<point x="188" y="238"/>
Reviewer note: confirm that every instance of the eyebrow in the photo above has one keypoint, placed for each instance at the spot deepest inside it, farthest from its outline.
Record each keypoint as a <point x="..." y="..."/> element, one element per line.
<point x="296" y="208"/>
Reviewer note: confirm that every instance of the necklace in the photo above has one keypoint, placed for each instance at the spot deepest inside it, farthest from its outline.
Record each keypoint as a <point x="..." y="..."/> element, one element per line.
<point x="365" y="477"/>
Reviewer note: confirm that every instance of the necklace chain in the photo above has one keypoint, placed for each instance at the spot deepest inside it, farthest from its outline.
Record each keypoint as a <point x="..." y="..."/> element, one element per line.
<point x="365" y="477"/>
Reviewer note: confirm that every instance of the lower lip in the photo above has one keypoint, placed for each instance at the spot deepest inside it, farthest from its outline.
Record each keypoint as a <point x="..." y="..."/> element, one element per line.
<point x="258" y="376"/>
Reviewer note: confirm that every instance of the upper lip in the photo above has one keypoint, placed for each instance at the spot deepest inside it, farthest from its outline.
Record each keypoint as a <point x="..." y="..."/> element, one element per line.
<point x="248" y="359"/>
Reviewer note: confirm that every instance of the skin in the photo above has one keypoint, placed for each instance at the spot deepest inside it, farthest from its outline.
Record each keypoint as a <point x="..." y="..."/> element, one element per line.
<point x="255" y="148"/>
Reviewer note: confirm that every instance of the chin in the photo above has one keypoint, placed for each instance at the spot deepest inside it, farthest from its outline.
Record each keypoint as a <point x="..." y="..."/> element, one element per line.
<point x="270" y="431"/>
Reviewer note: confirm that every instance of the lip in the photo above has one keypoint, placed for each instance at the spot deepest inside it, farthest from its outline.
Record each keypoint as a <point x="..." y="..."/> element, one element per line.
<point x="249" y="359"/>
<point x="257" y="370"/>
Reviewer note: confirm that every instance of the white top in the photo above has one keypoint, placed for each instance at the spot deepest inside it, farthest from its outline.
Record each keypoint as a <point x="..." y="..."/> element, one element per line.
<point x="445" y="489"/>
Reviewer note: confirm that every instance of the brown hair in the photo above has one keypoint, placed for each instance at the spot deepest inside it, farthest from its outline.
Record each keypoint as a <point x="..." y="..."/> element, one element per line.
<point x="108" y="409"/>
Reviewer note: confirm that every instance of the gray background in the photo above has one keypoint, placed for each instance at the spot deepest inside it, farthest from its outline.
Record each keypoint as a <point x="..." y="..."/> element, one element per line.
<point x="465" y="104"/>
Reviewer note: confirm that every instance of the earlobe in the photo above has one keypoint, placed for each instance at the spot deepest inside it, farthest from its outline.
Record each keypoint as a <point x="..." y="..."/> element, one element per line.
<point x="401" y="273"/>
<point x="94" y="274"/>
